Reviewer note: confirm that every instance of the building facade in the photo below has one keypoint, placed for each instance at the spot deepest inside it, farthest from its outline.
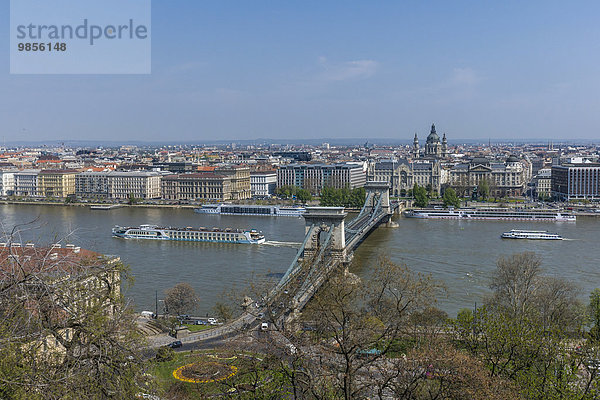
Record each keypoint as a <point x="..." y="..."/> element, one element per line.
<point x="543" y="183"/>
<point x="576" y="181"/>
<point x="199" y="186"/>
<point x="427" y="173"/>
<point x="314" y="177"/>
<point x="240" y="180"/>
<point x="396" y="172"/>
<point x="56" y="183"/>
<point x="137" y="184"/>
<point x="263" y="183"/>
<point x="7" y="183"/>
<point x="92" y="184"/>
<point x="118" y="185"/>
<point x="26" y="183"/>
<point x="504" y="179"/>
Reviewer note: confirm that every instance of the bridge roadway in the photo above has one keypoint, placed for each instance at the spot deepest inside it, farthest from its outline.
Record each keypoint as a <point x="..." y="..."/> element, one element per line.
<point x="327" y="246"/>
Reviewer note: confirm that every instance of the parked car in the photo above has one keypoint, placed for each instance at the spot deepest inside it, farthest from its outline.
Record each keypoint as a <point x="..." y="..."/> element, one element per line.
<point x="212" y="321"/>
<point x="148" y="314"/>
<point x="176" y="344"/>
<point x="200" y="322"/>
<point x="264" y="326"/>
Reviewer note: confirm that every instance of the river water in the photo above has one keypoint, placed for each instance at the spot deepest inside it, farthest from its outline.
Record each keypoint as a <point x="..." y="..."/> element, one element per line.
<point x="459" y="254"/>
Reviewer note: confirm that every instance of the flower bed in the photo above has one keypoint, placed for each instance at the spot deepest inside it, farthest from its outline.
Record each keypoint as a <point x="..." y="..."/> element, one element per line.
<point x="204" y="372"/>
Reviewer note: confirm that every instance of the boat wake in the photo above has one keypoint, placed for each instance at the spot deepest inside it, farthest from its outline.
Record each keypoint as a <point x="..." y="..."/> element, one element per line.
<point x="282" y="244"/>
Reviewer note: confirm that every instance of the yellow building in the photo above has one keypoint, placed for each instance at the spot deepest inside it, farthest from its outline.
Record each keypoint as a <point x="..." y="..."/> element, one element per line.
<point x="240" y="180"/>
<point x="56" y="183"/>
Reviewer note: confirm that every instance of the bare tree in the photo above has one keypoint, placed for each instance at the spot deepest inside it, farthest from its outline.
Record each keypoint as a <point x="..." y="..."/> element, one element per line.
<point x="181" y="298"/>
<point x="363" y="322"/>
<point x="64" y="327"/>
<point x="515" y="282"/>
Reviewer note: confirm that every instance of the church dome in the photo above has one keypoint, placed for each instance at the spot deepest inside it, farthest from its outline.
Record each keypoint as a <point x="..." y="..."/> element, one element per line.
<point x="512" y="158"/>
<point x="433" y="136"/>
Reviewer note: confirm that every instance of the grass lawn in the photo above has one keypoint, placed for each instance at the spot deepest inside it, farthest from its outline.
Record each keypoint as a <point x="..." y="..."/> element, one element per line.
<point x="198" y="328"/>
<point x="225" y="372"/>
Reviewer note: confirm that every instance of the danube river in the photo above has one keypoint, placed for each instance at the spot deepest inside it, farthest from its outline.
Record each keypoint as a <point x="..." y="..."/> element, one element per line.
<point x="459" y="254"/>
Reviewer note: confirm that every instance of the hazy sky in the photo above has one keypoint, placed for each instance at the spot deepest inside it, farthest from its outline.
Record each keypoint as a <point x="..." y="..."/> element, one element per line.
<point x="346" y="69"/>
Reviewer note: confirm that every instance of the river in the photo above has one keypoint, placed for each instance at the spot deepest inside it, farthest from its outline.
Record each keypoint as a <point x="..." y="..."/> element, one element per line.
<point x="459" y="254"/>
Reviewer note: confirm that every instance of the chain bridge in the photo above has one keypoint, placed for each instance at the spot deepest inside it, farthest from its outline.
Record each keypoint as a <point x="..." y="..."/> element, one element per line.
<point x="328" y="245"/>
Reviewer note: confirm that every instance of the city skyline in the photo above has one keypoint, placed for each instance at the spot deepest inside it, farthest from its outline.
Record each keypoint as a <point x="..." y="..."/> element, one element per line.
<point x="505" y="72"/>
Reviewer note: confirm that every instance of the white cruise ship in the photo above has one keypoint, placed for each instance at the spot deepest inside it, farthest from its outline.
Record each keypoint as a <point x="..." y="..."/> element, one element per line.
<point x="215" y="235"/>
<point x="533" y="235"/>
<point x="249" y="209"/>
<point x="493" y="214"/>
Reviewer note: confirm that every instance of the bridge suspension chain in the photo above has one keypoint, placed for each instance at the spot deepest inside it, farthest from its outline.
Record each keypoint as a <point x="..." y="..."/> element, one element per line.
<point x="294" y="266"/>
<point x="317" y="261"/>
<point x="362" y="210"/>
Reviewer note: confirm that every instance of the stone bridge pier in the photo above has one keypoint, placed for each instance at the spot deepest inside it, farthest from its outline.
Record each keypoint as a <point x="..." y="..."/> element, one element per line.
<point x="321" y="221"/>
<point x="379" y="190"/>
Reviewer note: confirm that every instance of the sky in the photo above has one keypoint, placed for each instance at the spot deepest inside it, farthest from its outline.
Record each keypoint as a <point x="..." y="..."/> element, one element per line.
<point x="233" y="70"/>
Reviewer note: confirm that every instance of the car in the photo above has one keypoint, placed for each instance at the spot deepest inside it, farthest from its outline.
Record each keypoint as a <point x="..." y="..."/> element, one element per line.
<point x="212" y="321"/>
<point x="264" y="326"/>
<point x="176" y="344"/>
<point x="200" y="322"/>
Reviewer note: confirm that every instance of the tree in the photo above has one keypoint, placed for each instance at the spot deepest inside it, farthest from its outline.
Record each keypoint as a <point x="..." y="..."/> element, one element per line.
<point x="484" y="189"/>
<point x="524" y="330"/>
<point x="344" y="197"/>
<point x="514" y="282"/>
<point x="180" y="299"/>
<point x="286" y="191"/>
<point x="357" y="324"/>
<point x="450" y="198"/>
<point x="594" y="313"/>
<point x="223" y="311"/>
<point x="420" y="195"/>
<point x="357" y="197"/>
<point x="303" y="195"/>
<point x="64" y="327"/>
<point x="429" y="190"/>
<point x="132" y="199"/>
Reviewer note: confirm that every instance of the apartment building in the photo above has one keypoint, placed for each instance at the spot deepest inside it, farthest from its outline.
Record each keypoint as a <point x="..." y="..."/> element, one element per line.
<point x="26" y="182"/>
<point x="543" y="183"/>
<point x="56" y="183"/>
<point x="118" y="185"/>
<point x="7" y="183"/>
<point x="92" y="184"/>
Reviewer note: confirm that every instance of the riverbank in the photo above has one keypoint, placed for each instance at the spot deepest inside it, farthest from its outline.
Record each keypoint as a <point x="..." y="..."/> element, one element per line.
<point x="142" y="205"/>
<point x="62" y="204"/>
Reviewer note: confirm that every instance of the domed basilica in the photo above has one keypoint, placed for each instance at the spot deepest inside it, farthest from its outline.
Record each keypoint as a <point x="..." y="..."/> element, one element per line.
<point x="433" y="147"/>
